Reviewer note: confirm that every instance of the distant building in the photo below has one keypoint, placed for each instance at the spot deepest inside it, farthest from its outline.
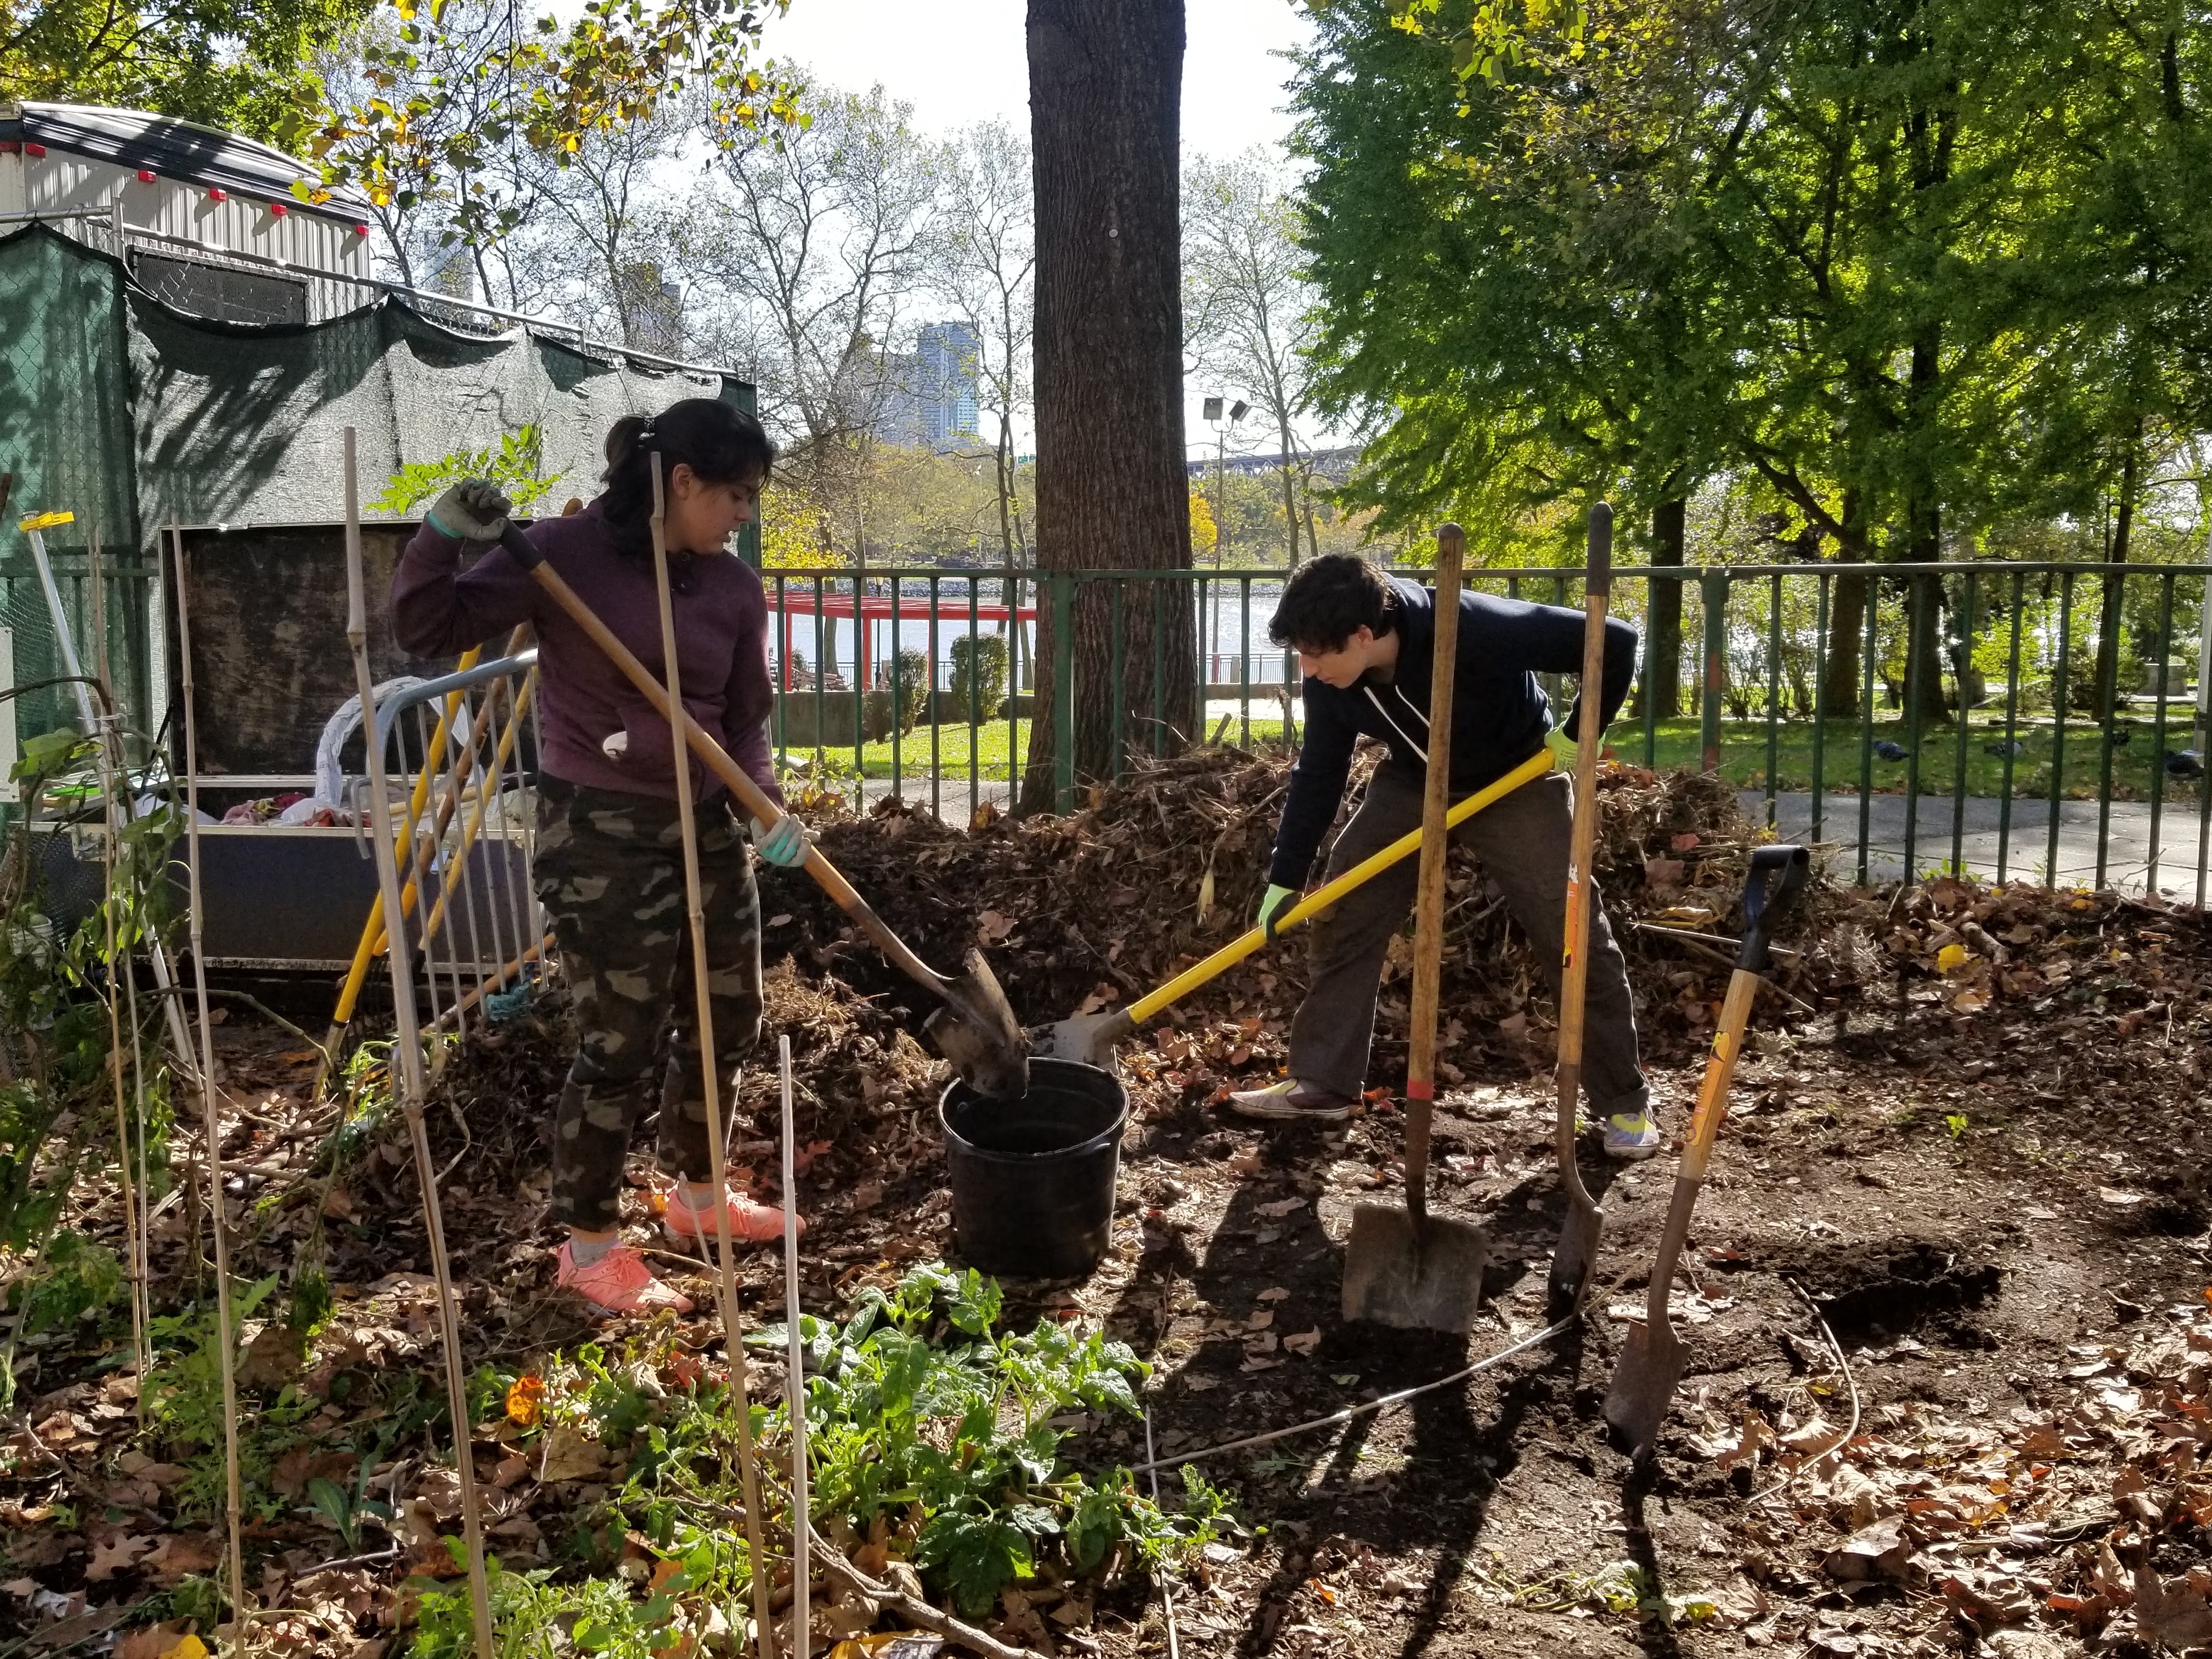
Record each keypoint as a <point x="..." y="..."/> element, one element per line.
<point x="930" y="397"/>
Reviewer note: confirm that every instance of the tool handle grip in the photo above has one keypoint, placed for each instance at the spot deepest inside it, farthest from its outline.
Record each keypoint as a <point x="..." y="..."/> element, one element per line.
<point x="1598" y="580"/>
<point x="1436" y="842"/>
<point x="1777" y="876"/>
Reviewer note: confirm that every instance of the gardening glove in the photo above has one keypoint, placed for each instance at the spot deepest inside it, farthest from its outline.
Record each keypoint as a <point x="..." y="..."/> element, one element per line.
<point x="1272" y="903"/>
<point x="785" y="846"/>
<point x="470" y="511"/>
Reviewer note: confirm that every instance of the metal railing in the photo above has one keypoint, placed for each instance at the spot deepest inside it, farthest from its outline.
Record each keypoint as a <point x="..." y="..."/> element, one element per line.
<point x="2012" y="720"/>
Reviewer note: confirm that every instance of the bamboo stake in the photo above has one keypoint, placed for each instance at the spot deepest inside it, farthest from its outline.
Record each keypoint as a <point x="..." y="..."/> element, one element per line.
<point x="109" y="751"/>
<point x="726" y="1281"/>
<point x="794" y="1370"/>
<point x="210" y="1118"/>
<point x="409" y="1050"/>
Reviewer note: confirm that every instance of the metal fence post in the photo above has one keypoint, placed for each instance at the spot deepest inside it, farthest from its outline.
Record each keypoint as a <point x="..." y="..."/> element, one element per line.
<point x="1714" y="587"/>
<point x="1063" y="691"/>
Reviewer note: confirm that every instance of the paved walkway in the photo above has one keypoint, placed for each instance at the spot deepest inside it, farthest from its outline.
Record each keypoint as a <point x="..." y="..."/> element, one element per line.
<point x="2025" y="846"/>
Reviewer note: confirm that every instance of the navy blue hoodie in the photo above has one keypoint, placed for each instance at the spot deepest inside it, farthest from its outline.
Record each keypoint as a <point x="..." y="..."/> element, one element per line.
<point x="1500" y="716"/>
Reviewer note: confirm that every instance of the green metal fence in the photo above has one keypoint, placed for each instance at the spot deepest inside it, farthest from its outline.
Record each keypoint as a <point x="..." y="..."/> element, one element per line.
<point x="2018" y="720"/>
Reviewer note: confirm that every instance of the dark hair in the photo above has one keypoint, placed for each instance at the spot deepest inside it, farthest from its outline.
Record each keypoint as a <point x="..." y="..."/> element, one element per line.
<point x="1330" y="598"/>
<point x="718" y="442"/>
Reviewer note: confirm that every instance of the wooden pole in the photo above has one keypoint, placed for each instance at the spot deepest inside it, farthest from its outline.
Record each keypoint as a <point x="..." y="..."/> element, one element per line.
<point x="210" y="1118"/>
<point x="407" y="1047"/>
<point x="726" y="1280"/>
<point x="802" y="1520"/>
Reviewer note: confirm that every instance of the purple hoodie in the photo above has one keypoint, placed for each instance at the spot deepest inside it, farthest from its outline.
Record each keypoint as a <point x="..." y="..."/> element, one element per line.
<point x="721" y="638"/>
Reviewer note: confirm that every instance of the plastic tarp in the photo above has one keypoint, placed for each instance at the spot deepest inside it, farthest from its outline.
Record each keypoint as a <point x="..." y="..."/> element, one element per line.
<point x="113" y="404"/>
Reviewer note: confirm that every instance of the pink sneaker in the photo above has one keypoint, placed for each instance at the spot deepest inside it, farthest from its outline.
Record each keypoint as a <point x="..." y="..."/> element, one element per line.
<point x="619" y="1282"/>
<point x="750" y="1222"/>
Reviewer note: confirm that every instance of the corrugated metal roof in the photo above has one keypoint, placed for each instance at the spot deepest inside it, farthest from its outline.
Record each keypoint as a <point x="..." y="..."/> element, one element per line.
<point x="175" y="150"/>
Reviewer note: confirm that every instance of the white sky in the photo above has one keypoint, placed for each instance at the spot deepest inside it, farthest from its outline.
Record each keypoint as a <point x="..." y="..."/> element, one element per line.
<point x="962" y="61"/>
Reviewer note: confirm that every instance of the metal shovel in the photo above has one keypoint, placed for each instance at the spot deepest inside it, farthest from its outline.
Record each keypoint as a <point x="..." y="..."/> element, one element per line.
<point x="1576" y="1255"/>
<point x="1405" y="1268"/>
<point x="1644" y="1383"/>
<point x="975" y="1029"/>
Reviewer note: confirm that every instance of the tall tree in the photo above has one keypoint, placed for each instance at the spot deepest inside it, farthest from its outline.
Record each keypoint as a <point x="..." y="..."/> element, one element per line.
<point x="1246" y="308"/>
<point x="1105" y="102"/>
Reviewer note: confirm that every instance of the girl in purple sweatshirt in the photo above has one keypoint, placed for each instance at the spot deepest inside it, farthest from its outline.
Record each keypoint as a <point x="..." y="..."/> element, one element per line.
<point x="608" y="851"/>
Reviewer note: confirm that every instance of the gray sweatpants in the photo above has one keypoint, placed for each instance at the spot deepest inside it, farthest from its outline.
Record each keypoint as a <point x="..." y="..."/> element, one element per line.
<point x="1523" y="842"/>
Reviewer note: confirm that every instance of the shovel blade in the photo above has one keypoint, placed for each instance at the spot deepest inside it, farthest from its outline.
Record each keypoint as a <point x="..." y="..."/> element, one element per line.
<point x="1427" y="1277"/>
<point x="977" y="1031"/>
<point x="1087" y="1038"/>
<point x="1576" y="1255"/>
<point x="1643" y="1386"/>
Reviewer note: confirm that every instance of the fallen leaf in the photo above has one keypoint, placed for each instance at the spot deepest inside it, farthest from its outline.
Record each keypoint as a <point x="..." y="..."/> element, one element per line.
<point x="1281" y="1207"/>
<point x="1304" y="1342"/>
<point x="180" y="1553"/>
<point x="994" y="926"/>
<point x="1880" y="1551"/>
<point x="2172" y="1615"/>
<point x="526" y="1400"/>
<point x="1275" y="1293"/>
<point x="114" y="1555"/>
<point x="1951" y="958"/>
<point x="569" y="1457"/>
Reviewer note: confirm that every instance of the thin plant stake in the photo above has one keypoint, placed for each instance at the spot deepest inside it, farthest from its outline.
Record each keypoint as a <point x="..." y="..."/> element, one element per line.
<point x="726" y="1280"/>
<point x="794" y="1370"/>
<point x="407" y="1049"/>
<point x="210" y="1118"/>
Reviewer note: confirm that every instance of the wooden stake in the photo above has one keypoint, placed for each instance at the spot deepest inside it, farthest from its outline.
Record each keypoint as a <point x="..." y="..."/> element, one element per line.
<point x="726" y="1281"/>
<point x="407" y="1049"/>
<point x="802" y="1518"/>
<point x="210" y="1118"/>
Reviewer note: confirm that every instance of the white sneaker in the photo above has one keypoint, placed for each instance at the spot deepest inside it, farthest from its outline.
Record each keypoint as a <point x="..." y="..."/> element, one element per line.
<point x="1632" y="1135"/>
<point x="1290" y="1101"/>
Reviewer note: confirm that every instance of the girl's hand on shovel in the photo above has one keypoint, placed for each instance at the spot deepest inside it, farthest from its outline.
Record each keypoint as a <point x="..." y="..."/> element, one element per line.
<point x="785" y="845"/>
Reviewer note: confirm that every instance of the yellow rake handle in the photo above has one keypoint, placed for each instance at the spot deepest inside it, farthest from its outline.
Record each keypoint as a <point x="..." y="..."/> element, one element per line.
<point x="1322" y="897"/>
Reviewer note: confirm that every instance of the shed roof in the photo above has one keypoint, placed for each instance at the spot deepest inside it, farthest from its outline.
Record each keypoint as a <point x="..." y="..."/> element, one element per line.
<point x="175" y="150"/>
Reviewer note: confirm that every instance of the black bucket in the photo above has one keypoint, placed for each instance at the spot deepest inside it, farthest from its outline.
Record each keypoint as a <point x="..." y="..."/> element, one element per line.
<point x="1033" y="1178"/>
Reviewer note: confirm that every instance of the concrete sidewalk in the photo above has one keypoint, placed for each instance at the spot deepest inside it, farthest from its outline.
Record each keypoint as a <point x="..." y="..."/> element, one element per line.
<point x="2026" y="847"/>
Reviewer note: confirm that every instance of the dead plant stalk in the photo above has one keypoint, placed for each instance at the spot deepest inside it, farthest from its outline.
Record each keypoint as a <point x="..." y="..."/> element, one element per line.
<point x="211" y="1116"/>
<point x="725" y="1278"/>
<point x="408" y="1053"/>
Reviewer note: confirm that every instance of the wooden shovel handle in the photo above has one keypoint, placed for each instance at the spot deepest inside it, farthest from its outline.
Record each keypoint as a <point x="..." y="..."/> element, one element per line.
<point x="1705" y="1129"/>
<point x="1429" y="907"/>
<point x="717" y="760"/>
<point x="1574" y="962"/>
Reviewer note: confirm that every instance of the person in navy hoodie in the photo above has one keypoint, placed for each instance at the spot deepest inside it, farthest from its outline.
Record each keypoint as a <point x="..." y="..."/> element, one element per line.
<point x="609" y="852"/>
<point x="1366" y="645"/>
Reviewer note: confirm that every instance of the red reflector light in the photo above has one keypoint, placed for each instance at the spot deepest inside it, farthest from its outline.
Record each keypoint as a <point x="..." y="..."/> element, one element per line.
<point x="34" y="149"/>
<point x="218" y="195"/>
<point x="145" y="175"/>
<point x="277" y="209"/>
<point x="361" y="230"/>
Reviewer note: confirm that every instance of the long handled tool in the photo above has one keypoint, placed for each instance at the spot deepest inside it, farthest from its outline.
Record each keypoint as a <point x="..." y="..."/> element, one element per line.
<point x="1090" y="1037"/>
<point x="726" y="1279"/>
<point x="975" y="1029"/>
<point x="1407" y="1268"/>
<point x="795" y="1373"/>
<point x="1644" y="1383"/>
<point x="1576" y="1256"/>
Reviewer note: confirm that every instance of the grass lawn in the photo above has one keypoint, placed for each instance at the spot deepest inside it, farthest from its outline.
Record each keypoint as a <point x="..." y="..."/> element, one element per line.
<point x="1678" y="744"/>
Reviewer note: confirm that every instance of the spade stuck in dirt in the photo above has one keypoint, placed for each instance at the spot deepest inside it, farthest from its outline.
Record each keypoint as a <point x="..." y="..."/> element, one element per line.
<point x="1405" y="1268"/>
<point x="1644" y="1383"/>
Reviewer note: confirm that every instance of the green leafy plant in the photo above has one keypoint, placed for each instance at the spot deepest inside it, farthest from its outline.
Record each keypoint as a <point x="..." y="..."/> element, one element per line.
<point x="513" y="464"/>
<point x="1956" y="1123"/>
<point x="979" y="674"/>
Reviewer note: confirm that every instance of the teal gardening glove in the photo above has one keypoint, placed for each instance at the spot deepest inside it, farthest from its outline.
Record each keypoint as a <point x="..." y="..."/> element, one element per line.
<point x="1272" y="903"/>
<point x="470" y="511"/>
<point x="785" y="844"/>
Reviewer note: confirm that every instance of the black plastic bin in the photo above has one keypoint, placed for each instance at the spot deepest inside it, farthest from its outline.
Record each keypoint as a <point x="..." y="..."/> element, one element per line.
<point x="1033" y="1179"/>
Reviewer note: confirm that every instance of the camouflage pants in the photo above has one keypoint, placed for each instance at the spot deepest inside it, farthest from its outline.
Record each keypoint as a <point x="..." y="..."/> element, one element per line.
<point x="610" y="872"/>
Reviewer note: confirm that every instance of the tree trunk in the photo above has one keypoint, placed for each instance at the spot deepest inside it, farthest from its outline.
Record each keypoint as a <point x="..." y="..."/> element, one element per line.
<point x="1105" y="105"/>
<point x="1924" y="660"/>
<point x="2108" y="613"/>
<point x="1669" y="540"/>
<point x="1847" y="606"/>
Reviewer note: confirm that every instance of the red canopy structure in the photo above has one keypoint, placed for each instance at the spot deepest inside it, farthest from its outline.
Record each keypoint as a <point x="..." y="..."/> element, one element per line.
<point x="797" y="601"/>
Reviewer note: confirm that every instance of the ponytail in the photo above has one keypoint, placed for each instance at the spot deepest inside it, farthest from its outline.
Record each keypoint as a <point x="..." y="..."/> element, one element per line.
<point x="719" y="442"/>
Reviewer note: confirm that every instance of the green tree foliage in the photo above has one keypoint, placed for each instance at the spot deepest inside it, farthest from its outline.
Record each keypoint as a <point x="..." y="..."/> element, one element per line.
<point x="243" y="67"/>
<point x="1859" y="248"/>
